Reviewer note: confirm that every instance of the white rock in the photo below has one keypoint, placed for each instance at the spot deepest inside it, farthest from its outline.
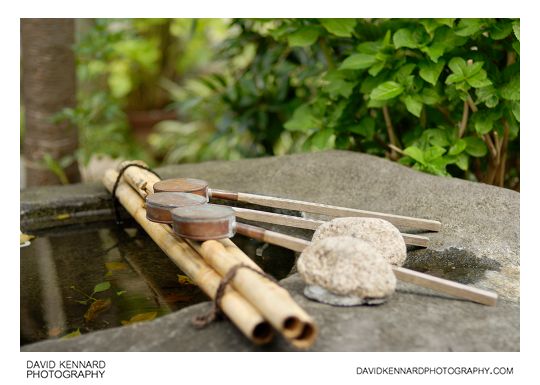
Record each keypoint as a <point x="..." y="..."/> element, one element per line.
<point x="348" y="268"/>
<point x="380" y="234"/>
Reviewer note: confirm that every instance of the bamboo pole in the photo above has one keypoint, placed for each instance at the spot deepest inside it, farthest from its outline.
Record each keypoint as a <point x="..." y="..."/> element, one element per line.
<point x="274" y="302"/>
<point x="248" y="319"/>
<point x="141" y="180"/>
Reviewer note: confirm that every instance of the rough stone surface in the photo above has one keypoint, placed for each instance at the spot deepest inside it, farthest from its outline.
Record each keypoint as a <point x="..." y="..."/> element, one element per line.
<point x="381" y="234"/>
<point x="348" y="267"/>
<point x="478" y="245"/>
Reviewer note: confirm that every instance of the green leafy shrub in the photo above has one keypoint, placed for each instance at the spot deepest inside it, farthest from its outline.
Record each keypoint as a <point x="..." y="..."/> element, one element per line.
<point x="440" y="95"/>
<point x="126" y="65"/>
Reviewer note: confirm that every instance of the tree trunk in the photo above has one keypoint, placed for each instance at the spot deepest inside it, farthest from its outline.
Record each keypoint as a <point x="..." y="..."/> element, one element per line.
<point x="48" y="86"/>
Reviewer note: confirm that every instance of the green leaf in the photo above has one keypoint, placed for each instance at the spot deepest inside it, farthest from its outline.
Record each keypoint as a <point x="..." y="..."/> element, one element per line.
<point x="54" y="166"/>
<point x="337" y="85"/>
<point x="73" y="334"/>
<point x="302" y="120"/>
<point x="430" y="96"/>
<point x="322" y="139"/>
<point x="366" y="127"/>
<point x="458" y="66"/>
<point x="515" y="27"/>
<point x="415" y="153"/>
<point x="102" y="287"/>
<point x="369" y="47"/>
<point x="454" y="78"/>
<point x="462" y="161"/>
<point x="433" y="153"/>
<point x="458" y="147"/>
<point x="413" y="104"/>
<point x="444" y="40"/>
<point x="410" y="39"/>
<point x="430" y="71"/>
<point x="475" y="146"/>
<point x="510" y="91"/>
<point x="436" y="137"/>
<point x="483" y="121"/>
<point x="339" y="27"/>
<point x="403" y="38"/>
<point x="500" y="29"/>
<point x="358" y="61"/>
<point x="376" y="69"/>
<point x="515" y="109"/>
<point x="386" y="91"/>
<point x="515" y="45"/>
<point x="303" y="37"/>
<point x="468" y="27"/>
<point x="121" y="292"/>
<point x="479" y="80"/>
<point x="488" y="96"/>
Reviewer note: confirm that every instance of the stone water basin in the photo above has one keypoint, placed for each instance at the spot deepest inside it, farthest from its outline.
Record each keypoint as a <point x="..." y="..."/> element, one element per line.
<point x="81" y="279"/>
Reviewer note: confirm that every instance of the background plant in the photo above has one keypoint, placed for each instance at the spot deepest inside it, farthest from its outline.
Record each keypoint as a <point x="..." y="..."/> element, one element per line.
<point x="128" y="65"/>
<point x="439" y="95"/>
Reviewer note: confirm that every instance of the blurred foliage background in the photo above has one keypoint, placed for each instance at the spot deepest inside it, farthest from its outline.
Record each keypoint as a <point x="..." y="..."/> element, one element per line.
<point x="439" y="95"/>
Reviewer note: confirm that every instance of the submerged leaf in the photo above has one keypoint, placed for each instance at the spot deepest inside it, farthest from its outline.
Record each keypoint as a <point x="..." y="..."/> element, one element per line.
<point x="102" y="287"/>
<point x="185" y="280"/>
<point x="75" y="333"/>
<point x="97" y="307"/>
<point x="112" y="266"/>
<point x="141" y="317"/>
<point x="26" y="238"/>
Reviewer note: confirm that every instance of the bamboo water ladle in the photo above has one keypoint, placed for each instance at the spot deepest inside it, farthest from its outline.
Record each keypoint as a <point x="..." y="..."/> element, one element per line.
<point x="198" y="187"/>
<point x="205" y="222"/>
<point x="295" y="324"/>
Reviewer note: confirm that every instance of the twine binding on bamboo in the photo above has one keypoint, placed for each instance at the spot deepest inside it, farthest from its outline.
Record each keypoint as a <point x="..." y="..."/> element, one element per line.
<point x="202" y="320"/>
<point x="117" y="182"/>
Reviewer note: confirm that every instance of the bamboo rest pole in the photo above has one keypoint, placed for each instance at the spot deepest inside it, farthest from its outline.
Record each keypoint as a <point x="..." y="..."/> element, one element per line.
<point x="240" y="312"/>
<point x="274" y="302"/>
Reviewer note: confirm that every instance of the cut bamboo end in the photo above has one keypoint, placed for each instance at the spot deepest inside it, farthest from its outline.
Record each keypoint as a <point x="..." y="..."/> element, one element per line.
<point x="141" y="180"/>
<point x="307" y="337"/>
<point x="246" y="317"/>
<point x="274" y="302"/>
<point x="415" y="240"/>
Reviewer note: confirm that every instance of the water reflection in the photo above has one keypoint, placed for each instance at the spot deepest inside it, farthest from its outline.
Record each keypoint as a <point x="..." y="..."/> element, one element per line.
<point x="86" y="279"/>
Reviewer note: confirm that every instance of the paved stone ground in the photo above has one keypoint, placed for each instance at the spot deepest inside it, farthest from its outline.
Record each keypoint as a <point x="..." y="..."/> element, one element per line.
<point x="478" y="245"/>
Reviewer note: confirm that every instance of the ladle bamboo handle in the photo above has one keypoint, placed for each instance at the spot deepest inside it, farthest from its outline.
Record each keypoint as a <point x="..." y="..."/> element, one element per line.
<point x="305" y="223"/>
<point x="428" y="281"/>
<point x="445" y="286"/>
<point x="319" y="208"/>
<point x="272" y="237"/>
